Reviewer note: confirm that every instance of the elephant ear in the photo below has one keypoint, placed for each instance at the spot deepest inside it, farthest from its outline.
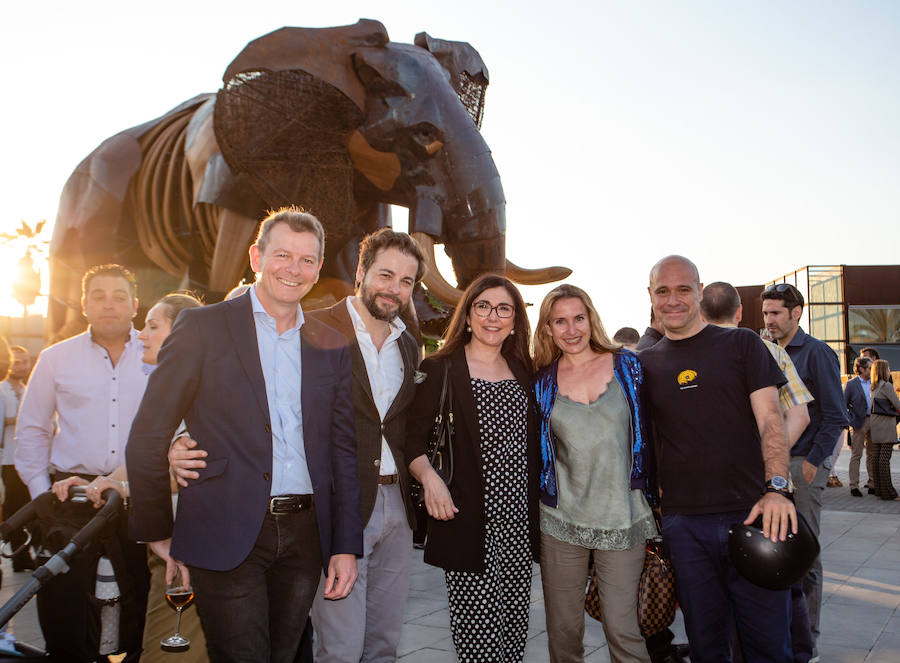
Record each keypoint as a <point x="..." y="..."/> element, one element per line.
<point x="468" y="73"/>
<point x="285" y="114"/>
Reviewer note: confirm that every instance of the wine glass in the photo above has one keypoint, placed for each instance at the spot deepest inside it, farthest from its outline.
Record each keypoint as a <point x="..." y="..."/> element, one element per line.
<point x="179" y="596"/>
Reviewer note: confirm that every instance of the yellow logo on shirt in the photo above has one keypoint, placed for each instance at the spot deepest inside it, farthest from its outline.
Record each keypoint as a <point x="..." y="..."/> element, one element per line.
<point x="686" y="377"/>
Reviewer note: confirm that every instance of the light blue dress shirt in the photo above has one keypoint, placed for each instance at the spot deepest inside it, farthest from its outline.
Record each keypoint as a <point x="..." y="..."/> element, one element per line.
<point x="279" y="355"/>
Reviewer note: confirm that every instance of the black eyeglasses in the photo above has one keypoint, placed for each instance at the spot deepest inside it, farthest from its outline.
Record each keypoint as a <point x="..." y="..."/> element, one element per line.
<point x="483" y="309"/>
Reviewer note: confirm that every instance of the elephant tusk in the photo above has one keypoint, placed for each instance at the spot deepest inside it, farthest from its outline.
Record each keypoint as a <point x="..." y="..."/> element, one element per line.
<point x="535" y="276"/>
<point x="433" y="279"/>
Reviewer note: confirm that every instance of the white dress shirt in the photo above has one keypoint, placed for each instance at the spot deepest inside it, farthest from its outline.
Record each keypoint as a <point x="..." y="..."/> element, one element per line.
<point x="9" y="407"/>
<point x="385" y="369"/>
<point x="280" y="358"/>
<point x="93" y="402"/>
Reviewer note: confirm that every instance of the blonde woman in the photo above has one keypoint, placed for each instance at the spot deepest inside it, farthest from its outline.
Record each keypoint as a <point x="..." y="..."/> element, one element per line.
<point x="596" y="483"/>
<point x="883" y="429"/>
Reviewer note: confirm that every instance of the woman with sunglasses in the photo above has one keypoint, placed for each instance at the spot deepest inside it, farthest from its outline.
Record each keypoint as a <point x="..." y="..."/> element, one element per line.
<point x="483" y="529"/>
<point x="596" y="482"/>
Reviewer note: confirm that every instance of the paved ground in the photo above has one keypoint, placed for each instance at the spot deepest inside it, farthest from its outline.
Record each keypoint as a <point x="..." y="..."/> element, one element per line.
<point x="860" y="618"/>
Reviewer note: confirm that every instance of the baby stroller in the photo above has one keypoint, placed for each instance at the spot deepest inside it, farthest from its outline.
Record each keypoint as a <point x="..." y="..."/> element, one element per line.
<point x="36" y="516"/>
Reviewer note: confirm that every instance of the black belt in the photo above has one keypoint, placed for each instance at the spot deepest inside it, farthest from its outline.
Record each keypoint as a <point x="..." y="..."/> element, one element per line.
<point x="289" y="503"/>
<point x="388" y="479"/>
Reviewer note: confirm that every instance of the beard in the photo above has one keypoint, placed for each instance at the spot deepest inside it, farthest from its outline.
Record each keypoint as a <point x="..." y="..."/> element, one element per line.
<point x="370" y="302"/>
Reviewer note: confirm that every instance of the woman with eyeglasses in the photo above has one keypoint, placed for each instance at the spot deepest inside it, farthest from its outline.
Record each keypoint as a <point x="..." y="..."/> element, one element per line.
<point x="483" y="529"/>
<point x="883" y="429"/>
<point x="596" y="480"/>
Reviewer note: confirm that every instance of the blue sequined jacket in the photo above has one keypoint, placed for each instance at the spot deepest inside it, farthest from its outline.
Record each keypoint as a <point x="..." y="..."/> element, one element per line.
<point x="628" y="371"/>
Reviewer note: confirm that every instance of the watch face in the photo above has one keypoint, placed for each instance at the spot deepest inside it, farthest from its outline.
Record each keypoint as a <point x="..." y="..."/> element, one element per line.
<point x="778" y="483"/>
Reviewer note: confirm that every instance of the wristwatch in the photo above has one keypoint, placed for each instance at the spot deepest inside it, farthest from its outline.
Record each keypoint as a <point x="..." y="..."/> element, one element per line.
<point x="778" y="484"/>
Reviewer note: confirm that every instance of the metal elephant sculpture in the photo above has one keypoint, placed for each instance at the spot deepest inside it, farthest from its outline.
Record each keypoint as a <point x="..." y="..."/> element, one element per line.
<point x="338" y="120"/>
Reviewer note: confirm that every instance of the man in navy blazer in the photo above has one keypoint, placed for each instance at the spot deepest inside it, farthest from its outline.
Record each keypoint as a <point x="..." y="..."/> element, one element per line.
<point x="857" y="395"/>
<point x="267" y="393"/>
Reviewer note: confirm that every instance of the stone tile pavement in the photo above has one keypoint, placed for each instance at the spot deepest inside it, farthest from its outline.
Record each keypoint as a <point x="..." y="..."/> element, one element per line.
<point x="861" y="604"/>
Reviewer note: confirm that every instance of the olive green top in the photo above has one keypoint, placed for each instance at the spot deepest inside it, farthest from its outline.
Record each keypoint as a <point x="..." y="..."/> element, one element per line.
<point x="597" y="508"/>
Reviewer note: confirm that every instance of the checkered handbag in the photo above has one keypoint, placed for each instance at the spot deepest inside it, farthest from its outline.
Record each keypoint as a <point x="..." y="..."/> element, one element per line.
<point x="656" y="592"/>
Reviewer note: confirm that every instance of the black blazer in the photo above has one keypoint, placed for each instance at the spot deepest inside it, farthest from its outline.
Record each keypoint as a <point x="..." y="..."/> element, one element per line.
<point x="209" y="375"/>
<point x="458" y="544"/>
<point x="855" y="400"/>
<point x="369" y="426"/>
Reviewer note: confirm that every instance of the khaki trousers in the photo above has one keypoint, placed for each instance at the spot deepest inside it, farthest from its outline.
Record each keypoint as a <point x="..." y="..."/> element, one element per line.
<point x="161" y="622"/>
<point x="859" y="440"/>
<point x="564" y="570"/>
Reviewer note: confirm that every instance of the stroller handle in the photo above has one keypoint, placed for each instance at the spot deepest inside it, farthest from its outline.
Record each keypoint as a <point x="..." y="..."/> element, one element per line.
<point x="76" y="493"/>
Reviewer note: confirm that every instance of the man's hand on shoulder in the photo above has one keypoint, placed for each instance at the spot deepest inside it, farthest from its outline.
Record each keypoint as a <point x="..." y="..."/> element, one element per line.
<point x="341" y="576"/>
<point x="778" y="515"/>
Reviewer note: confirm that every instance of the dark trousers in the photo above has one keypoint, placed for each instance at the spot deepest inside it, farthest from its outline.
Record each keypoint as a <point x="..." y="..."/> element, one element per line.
<point x="711" y="593"/>
<point x="70" y="616"/>
<point x="16" y="496"/>
<point x="257" y="611"/>
<point x="881" y="464"/>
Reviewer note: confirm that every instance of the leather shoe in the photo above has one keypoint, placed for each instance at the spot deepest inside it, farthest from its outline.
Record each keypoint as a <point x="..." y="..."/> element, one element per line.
<point x="871" y="491"/>
<point x="855" y="492"/>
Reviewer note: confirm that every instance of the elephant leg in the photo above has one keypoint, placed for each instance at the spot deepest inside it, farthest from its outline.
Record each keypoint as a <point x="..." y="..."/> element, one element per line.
<point x="236" y="233"/>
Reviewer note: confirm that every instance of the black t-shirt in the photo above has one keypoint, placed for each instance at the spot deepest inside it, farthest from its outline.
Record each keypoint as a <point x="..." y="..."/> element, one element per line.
<point x="707" y="440"/>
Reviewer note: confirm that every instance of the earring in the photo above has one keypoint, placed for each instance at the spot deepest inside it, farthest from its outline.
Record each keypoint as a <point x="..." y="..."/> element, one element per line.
<point x="512" y="331"/>
<point x="468" y="328"/>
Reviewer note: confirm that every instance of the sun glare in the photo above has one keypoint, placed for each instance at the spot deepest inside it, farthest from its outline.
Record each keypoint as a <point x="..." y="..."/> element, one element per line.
<point x="11" y="252"/>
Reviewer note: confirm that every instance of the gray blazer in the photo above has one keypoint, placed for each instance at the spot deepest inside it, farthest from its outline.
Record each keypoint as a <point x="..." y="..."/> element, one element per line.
<point x="884" y="429"/>
<point x="369" y="426"/>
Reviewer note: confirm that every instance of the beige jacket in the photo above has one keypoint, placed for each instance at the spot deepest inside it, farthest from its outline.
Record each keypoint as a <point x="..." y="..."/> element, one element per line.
<point x="884" y="429"/>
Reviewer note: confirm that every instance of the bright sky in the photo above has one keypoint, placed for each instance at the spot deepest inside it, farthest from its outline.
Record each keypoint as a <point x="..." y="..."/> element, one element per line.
<point x="753" y="137"/>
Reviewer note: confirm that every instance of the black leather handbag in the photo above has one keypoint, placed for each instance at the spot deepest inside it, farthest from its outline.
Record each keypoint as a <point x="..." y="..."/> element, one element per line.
<point x="439" y="448"/>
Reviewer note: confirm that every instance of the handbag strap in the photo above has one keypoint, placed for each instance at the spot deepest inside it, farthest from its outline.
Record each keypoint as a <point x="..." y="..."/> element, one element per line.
<point x="446" y="393"/>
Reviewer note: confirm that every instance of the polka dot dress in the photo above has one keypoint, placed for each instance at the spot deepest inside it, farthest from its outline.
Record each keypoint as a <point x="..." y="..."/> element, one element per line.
<point x="489" y="610"/>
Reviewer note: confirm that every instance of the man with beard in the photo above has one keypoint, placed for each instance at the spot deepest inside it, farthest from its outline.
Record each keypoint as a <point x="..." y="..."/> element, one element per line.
<point x="366" y="625"/>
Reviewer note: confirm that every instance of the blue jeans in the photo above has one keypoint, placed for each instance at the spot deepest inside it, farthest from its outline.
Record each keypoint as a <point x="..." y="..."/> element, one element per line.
<point x="256" y="611"/>
<point x="711" y="593"/>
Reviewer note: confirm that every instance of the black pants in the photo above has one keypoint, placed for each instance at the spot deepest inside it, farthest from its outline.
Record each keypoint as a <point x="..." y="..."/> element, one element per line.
<point x="257" y="611"/>
<point x="69" y="615"/>
<point x="16" y="497"/>
<point x="881" y="465"/>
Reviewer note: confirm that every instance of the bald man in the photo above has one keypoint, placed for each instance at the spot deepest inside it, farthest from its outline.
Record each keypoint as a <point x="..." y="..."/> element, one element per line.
<point x="722" y="459"/>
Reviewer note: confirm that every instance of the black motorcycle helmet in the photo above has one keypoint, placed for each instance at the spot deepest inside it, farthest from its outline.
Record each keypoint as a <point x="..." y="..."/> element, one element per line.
<point x="771" y="565"/>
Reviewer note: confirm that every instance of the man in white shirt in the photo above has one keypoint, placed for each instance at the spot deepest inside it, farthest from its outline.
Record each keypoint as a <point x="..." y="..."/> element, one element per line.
<point x="15" y="494"/>
<point x="72" y="428"/>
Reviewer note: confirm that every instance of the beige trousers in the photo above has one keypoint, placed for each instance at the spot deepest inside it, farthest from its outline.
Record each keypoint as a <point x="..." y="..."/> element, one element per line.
<point x="161" y="622"/>
<point x="564" y="573"/>
<point x="861" y="440"/>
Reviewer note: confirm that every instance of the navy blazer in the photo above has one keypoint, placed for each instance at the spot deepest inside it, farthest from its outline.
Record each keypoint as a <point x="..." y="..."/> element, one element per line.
<point x="209" y="375"/>
<point x="855" y="399"/>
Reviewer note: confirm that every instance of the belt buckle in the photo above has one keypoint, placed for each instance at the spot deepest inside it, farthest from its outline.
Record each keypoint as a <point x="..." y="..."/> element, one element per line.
<point x="277" y="500"/>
